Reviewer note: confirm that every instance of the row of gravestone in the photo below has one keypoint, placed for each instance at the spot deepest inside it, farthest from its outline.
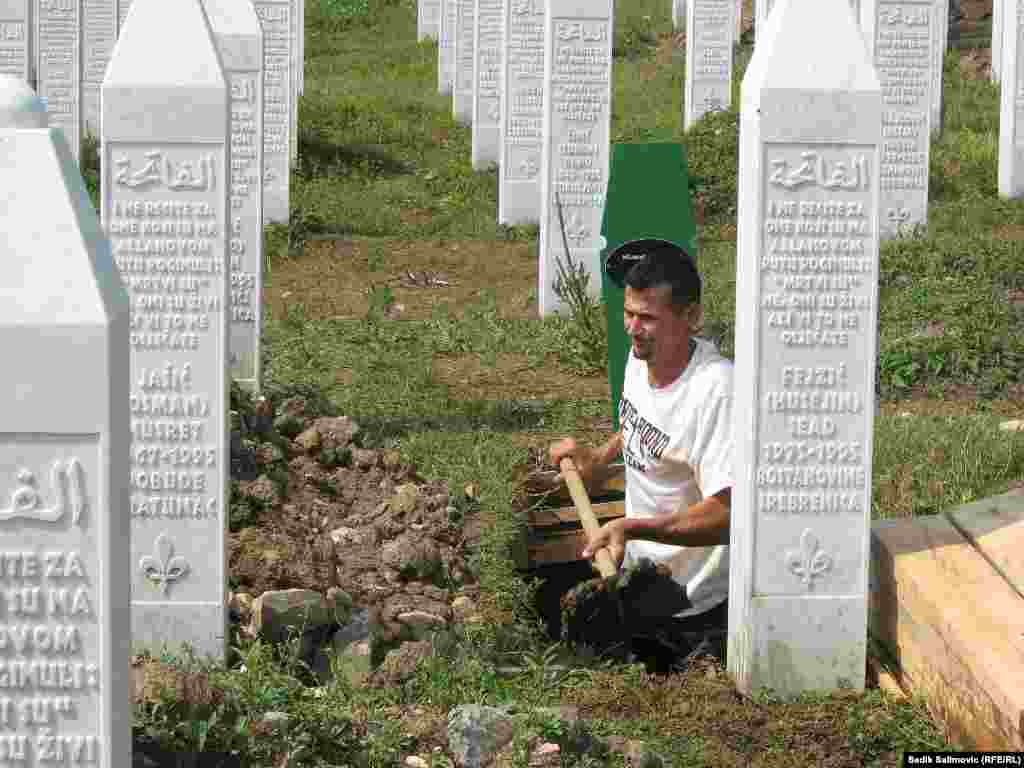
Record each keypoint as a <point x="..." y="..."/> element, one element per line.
<point x="114" y="422"/>
<point x="533" y="80"/>
<point x="62" y="49"/>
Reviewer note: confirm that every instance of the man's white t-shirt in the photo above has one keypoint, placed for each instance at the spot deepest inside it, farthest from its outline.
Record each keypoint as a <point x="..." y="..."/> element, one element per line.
<point x="677" y="446"/>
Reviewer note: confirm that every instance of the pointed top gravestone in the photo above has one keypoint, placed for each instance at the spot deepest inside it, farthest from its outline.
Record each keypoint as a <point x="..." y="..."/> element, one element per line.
<point x="165" y="132"/>
<point x="240" y="38"/>
<point x="63" y="453"/>
<point x="20" y="107"/>
<point x="807" y="267"/>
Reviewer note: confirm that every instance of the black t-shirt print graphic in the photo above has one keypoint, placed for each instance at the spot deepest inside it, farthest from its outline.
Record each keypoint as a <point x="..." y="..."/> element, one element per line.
<point x="642" y="441"/>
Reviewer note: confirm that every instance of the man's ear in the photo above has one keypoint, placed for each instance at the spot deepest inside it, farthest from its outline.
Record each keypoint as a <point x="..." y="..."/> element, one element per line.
<point x="696" y="318"/>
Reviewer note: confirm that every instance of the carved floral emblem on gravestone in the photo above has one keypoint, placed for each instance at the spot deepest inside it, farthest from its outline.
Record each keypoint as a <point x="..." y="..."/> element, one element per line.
<point x="184" y="175"/>
<point x="163" y="567"/>
<point x="809" y="561"/>
<point x="27" y="502"/>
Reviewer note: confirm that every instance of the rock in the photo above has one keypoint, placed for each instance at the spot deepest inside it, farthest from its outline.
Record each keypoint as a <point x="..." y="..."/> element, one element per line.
<point x="364" y="458"/>
<point x="241" y="607"/>
<point x="400" y="664"/>
<point x="336" y="432"/>
<point x="462" y="608"/>
<point x="546" y="755"/>
<point x="347" y="536"/>
<point x="302" y="610"/>
<point x="339" y="604"/>
<point x="309" y="440"/>
<point x="476" y="733"/>
<point x="404" y="500"/>
<point x="1013" y="425"/>
<point x="391" y="459"/>
<point x="412" y="761"/>
<point x="412" y="557"/>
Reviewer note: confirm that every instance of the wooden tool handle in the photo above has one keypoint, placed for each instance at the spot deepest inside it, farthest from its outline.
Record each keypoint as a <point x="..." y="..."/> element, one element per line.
<point x="605" y="564"/>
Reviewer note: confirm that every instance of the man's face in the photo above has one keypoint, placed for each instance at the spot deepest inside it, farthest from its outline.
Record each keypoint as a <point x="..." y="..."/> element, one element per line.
<point x="660" y="333"/>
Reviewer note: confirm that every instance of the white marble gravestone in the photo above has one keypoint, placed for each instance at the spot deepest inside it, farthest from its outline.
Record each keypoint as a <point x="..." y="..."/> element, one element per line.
<point x="63" y="457"/>
<point x="240" y="41"/>
<point x="277" y="110"/>
<point x="15" y="39"/>
<point x="996" y="43"/>
<point x="764" y="7"/>
<point x="123" y="6"/>
<point x="58" y="53"/>
<point x="679" y="14"/>
<point x="709" y="42"/>
<point x="487" y="45"/>
<point x="446" y="46"/>
<point x="428" y="21"/>
<point x="521" y="112"/>
<point x="1011" y="104"/>
<point x="900" y="36"/>
<point x="100" y="25"/>
<point x="293" y="48"/>
<point x="462" y="84"/>
<point x="578" y="38"/>
<point x="940" y="23"/>
<point x="810" y="125"/>
<point x="165" y="186"/>
<point x="302" y="46"/>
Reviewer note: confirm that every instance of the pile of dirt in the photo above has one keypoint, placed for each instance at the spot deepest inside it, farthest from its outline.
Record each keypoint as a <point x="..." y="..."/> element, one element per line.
<point x="313" y="509"/>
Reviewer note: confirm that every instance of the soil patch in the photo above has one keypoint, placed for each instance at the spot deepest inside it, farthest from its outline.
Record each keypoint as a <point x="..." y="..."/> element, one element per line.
<point x="514" y="377"/>
<point x="333" y="278"/>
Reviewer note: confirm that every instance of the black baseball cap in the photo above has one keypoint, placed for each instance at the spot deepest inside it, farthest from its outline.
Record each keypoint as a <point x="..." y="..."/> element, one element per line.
<point x="623" y="258"/>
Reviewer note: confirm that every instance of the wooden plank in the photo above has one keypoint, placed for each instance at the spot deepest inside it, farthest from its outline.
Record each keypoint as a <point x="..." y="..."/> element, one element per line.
<point x="543" y="483"/>
<point x="996" y="527"/>
<point x="955" y="627"/>
<point x="544" y="518"/>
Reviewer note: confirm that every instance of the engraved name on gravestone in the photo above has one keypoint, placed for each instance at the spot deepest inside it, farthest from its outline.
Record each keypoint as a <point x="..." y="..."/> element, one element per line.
<point x="427" y="19"/>
<point x="574" y="159"/>
<point x="446" y="46"/>
<point x="804" y="376"/>
<point x="708" y="58"/>
<point x="123" y="6"/>
<point x="236" y="28"/>
<point x="901" y="36"/>
<point x="521" y="112"/>
<point x="294" y="28"/>
<point x="1011" y="106"/>
<point x="273" y="15"/>
<point x="165" y="201"/>
<point x="14" y="38"/>
<point x="487" y="44"/>
<point x="939" y="41"/>
<point x="99" y="33"/>
<point x="59" y="65"/>
<point x="64" y="604"/>
<point x="462" y="93"/>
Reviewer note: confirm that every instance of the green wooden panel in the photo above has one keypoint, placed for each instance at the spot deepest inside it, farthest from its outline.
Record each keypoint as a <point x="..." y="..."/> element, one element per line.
<point x="648" y="196"/>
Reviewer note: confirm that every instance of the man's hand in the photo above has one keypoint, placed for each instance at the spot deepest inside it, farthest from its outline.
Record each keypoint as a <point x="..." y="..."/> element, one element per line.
<point x="582" y="457"/>
<point x="611" y="536"/>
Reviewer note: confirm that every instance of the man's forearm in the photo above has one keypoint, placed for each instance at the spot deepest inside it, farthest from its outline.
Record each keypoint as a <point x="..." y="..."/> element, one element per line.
<point x="703" y="524"/>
